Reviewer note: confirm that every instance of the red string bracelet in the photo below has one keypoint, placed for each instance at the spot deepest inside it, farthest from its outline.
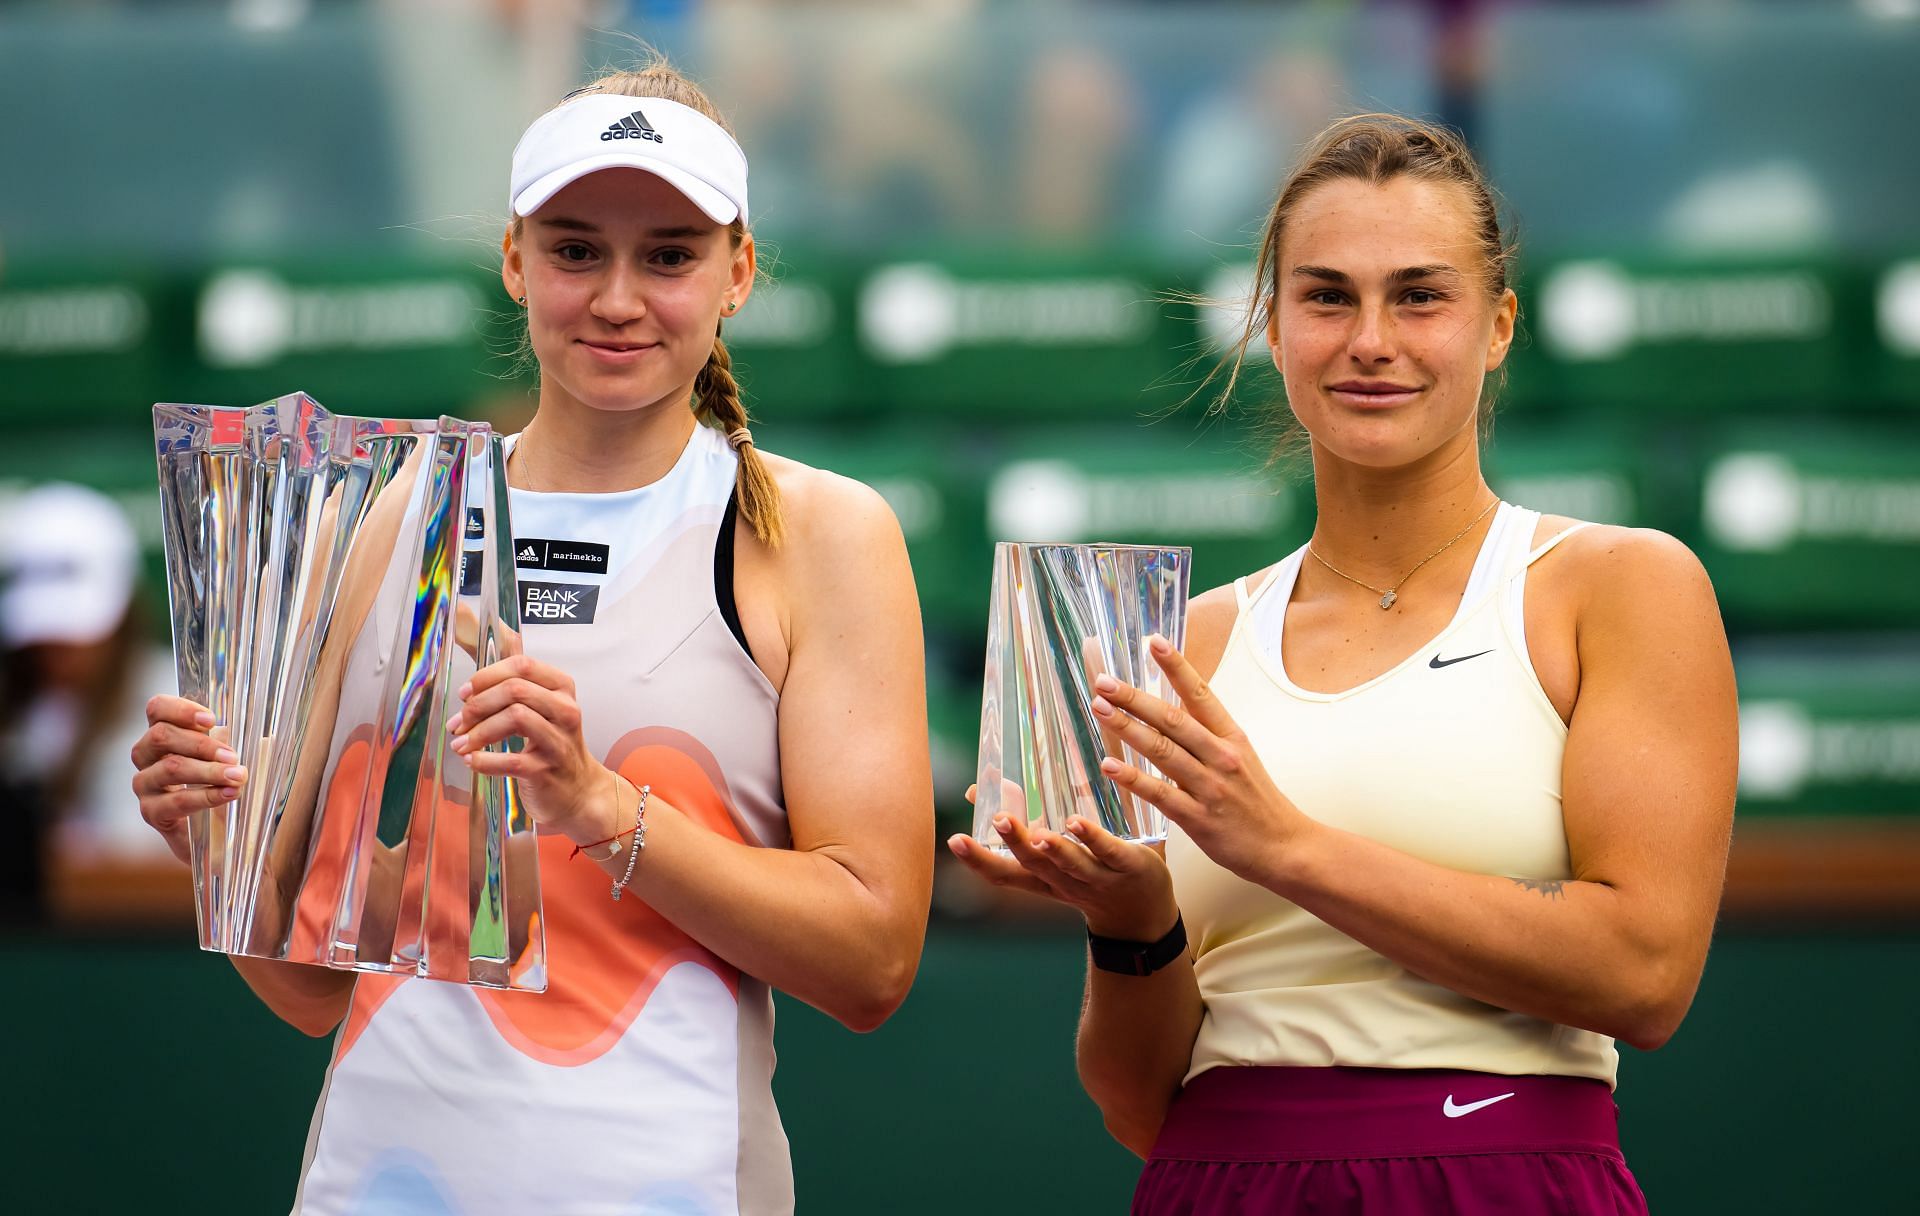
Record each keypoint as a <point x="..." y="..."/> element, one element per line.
<point x="611" y="839"/>
<point x="596" y="844"/>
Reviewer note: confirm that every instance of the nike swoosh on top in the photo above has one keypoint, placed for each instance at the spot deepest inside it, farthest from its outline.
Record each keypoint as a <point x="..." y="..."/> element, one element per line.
<point x="1436" y="662"/>
<point x="1454" y="1112"/>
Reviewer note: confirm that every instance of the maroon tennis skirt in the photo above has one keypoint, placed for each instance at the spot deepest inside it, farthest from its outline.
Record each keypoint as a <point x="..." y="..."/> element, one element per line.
<point x="1383" y="1141"/>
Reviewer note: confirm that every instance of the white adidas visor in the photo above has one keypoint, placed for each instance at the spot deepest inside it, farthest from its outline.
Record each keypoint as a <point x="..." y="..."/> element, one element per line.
<point x="596" y="131"/>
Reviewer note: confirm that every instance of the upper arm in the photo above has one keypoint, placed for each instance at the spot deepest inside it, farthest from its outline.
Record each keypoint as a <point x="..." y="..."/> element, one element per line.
<point x="1653" y="744"/>
<point x="1210" y="618"/>
<point x="853" y="718"/>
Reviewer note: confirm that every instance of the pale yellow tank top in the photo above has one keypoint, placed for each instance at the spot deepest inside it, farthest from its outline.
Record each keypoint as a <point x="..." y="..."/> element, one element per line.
<point x="1454" y="756"/>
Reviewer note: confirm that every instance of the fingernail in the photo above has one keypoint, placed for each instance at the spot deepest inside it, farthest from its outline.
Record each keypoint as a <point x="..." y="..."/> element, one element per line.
<point x="226" y="756"/>
<point x="203" y="718"/>
<point x="1102" y="706"/>
<point x="229" y="795"/>
<point x="459" y="743"/>
<point x="453" y="724"/>
<point x="957" y="843"/>
<point x="1109" y="766"/>
<point x="1106" y="683"/>
<point x="1160" y="645"/>
<point x="466" y="690"/>
<point x="1043" y="845"/>
<point x="1002" y="824"/>
<point x="235" y="775"/>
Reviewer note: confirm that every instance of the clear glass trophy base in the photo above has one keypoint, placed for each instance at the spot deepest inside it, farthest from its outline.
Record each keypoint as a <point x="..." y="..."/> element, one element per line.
<point x="1061" y="615"/>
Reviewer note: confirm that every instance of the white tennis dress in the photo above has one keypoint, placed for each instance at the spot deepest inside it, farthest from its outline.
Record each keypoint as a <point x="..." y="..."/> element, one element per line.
<point x="641" y="1081"/>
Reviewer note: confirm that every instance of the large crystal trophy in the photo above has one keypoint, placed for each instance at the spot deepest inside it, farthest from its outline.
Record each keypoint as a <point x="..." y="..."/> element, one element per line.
<point x="334" y="581"/>
<point x="1061" y="615"/>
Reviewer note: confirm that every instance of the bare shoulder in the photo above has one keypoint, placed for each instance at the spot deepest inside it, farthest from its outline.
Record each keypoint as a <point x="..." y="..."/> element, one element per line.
<point x="828" y="514"/>
<point x="1606" y="563"/>
<point x="1637" y="595"/>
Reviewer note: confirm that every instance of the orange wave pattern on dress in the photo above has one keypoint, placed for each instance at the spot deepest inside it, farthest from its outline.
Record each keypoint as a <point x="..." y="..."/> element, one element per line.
<point x="604" y="958"/>
<point x="325" y="881"/>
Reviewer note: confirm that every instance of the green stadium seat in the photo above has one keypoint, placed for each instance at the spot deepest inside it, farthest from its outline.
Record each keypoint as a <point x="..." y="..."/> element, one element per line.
<point x="387" y="337"/>
<point x="1811" y="525"/>
<point x="1683" y="337"/>
<point x="792" y="346"/>
<point x="1045" y="334"/>
<point x="1830" y="732"/>
<point x="1173" y="482"/>
<point x="1584" y="469"/>
<point x="928" y="476"/>
<point x="91" y="341"/>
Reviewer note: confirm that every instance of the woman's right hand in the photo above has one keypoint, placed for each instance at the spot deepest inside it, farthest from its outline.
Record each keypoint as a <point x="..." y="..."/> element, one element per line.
<point x="1123" y="889"/>
<point x="182" y="768"/>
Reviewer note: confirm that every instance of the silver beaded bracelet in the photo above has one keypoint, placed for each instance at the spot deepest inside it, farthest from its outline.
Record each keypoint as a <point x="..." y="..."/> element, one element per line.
<point x="639" y="840"/>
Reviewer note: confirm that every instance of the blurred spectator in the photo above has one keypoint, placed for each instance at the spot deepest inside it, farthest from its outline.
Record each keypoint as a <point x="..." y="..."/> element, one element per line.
<point x="1225" y="153"/>
<point x="883" y="115"/>
<point x="1080" y="117"/>
<point x="70" y="702"/>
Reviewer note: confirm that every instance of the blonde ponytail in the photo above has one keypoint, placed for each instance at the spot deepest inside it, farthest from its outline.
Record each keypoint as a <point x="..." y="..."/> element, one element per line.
<point x="716" y="400"/>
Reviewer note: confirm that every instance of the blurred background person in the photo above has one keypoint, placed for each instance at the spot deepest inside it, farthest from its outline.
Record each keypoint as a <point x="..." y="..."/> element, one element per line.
<point x="74" y="654"/>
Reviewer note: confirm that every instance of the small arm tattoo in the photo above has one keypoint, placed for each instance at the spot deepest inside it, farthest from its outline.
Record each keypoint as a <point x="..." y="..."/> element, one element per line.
<point x="1549" y="887"/>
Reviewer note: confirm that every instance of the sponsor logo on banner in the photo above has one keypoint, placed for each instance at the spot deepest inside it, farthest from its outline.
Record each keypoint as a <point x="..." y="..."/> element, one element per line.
<point x="558" y="603"/>
<point x="579" y="556"/>
<point x="476" y="523"/>
<point x="918" y="312"/>
<point x="102" y="320"/>
<point x="1598" y="310"/>
<point x="250" y="318"/>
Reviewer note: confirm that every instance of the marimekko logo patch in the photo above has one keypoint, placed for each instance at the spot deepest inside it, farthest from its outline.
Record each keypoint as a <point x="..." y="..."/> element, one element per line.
<point x="578" y="556"/>
<point x="558" y="603"/>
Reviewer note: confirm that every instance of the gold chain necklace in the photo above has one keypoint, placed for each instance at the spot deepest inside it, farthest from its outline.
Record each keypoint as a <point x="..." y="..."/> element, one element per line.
<point x="1389" y="594"/>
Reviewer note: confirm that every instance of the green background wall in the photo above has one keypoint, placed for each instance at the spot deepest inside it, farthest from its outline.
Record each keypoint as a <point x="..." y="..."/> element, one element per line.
<point x="143" y="1077"/>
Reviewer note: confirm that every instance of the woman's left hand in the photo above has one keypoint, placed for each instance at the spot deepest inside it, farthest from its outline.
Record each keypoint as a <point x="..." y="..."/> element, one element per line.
<point x="559" y="779"/>
<point x="1213" y="784"/>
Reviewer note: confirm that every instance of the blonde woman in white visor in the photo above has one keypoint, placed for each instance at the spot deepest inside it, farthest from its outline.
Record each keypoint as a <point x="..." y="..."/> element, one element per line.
<point x="738" y="706"/>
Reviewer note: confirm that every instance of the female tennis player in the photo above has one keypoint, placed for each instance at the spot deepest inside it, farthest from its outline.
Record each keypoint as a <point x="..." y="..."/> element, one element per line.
<point x="729" y="722"/>
<point x="1451" y="785"/>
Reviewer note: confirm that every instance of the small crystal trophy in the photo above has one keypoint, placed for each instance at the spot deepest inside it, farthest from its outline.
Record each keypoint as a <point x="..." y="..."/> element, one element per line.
<point x="333" y="581"/>
<point x="1061" y="615"/>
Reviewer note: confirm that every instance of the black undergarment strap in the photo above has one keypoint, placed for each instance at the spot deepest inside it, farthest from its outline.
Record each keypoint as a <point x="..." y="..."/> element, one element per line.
<point x="723" y="572"/>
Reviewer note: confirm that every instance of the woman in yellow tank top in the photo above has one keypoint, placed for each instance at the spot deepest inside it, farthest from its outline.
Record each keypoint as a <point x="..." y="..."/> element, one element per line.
<point x="1441" y="831"/>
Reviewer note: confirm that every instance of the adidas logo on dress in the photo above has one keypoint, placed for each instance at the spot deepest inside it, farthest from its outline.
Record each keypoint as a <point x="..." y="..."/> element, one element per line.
<point x="633" y="126"/>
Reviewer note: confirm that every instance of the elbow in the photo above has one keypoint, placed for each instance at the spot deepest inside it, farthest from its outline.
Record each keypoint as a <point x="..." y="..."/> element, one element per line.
<point x="315" y="1024"/>
<point x="1135" y="1135"/>
<point x="867" y="1009"/>
<point x="1651" y="1029"/>
<point x="1652" y="1016"/>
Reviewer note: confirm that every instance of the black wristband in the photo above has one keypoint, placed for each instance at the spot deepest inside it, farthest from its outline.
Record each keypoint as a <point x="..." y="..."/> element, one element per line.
<point x="1137" y="958"/>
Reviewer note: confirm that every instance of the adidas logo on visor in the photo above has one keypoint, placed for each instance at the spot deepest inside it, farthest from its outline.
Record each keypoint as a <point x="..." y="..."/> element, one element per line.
<point x="633" y="126"/>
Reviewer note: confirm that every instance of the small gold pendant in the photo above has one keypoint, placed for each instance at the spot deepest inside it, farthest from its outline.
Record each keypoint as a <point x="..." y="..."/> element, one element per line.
<point x="1386" y="601"/>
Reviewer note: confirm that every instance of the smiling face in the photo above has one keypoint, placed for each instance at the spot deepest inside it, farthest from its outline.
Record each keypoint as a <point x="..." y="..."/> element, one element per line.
<point x="1383" y="326"/>
<point x="625" y="283"/>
